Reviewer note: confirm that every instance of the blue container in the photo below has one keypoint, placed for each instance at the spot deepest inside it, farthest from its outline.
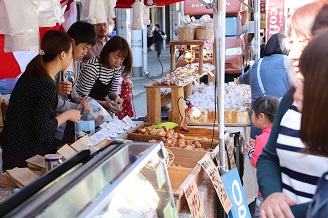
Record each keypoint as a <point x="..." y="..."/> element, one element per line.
<point x="7" y="85"/>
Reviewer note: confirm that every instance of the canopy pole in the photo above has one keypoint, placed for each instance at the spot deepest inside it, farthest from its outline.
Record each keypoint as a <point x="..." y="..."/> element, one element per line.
<point x="219" y="13"/>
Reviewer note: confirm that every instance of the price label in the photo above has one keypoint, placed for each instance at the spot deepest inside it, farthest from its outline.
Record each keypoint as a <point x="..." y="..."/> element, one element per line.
<point x="128" y="121"/>
<point x="193" y="199"/>
<point x="209" y="167"/>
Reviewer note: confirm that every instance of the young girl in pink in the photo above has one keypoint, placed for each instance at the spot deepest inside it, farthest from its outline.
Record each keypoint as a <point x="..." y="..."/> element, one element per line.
<point x="263" y="114"/>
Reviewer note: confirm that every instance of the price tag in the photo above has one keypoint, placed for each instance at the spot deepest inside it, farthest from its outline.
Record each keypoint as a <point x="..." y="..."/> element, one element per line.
<point x="128" y="121"/>
<point x="209" y="167"/>
<point x="193" y="199"/>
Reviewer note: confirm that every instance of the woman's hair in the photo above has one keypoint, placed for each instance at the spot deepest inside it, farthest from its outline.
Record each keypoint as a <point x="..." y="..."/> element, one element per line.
<point x="315" y="94"/>
<point x="53" y="43"/>
<point x="114" y="44"/>
<point x="321" y="20"/>
<point x="302" y="19"/>
<point x="277" y="44"/>
<point x="267" y="105"/>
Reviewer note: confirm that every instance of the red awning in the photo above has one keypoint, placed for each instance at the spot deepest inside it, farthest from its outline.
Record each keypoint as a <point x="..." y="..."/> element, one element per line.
<point x="128" y="3"/>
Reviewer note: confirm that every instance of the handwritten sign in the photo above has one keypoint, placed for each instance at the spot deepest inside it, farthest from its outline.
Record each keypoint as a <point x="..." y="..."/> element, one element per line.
<point x="216" y="153"/>
<point x="193" y="199"/>
<point x="209" y="167"/>
<point x="236" y="192"/>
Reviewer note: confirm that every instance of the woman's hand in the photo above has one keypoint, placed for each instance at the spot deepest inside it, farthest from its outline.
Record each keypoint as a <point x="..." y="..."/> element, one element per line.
<point x="64" y="88"/>
<point x="111" y="106"/>
<point x="277" y="205"/>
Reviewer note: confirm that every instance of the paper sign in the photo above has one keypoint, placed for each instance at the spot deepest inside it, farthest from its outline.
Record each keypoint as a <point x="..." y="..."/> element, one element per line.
<point x="209" y="167"/>
<point x="193" y="199"/>
<point x="128" y="121"/>
<point x="236" y="193"/>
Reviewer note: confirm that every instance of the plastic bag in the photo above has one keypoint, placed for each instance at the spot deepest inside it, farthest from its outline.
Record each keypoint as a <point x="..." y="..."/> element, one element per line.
<point x="92" y="110"/>
<point x="137" y="21"/>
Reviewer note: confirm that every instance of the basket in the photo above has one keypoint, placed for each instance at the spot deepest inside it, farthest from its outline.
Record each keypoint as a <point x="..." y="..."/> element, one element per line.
<point x="185" y="33"/>
<point x="204" y="32"/>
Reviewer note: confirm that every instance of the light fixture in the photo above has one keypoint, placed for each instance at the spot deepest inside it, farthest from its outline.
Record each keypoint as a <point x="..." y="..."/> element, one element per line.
<point x="183" y="122"/>
<point x="189" y="56"/>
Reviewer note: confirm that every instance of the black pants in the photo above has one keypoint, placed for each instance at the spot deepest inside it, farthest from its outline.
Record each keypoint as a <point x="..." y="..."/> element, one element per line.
<point x="158" y="48"/>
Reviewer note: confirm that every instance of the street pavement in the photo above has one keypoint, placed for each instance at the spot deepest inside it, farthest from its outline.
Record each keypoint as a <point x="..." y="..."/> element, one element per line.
<point x="155" y="72"/>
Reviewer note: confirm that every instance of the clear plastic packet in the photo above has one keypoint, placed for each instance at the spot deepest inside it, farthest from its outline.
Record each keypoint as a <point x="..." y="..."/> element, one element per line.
<point x="92" y="110"/>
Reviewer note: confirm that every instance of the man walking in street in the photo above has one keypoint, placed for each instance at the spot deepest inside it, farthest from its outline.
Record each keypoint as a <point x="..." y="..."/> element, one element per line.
<point x="158" y="39"/>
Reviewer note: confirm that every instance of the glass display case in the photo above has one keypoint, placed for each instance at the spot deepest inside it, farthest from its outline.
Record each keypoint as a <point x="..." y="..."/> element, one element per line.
<point x="129" y="180"/>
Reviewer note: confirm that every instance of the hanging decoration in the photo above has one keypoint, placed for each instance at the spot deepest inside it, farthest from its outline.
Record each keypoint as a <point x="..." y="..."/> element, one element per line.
<point x="21" y="26"/>
<point x="138" y="11"/>
<point x="97" y="11"/>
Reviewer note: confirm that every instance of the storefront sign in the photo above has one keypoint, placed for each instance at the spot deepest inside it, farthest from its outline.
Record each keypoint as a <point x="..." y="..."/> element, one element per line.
<point x="275" y="17"/>
<point x="236" y="193"/>
<point x="209" y="167"/>
<point x="193" y="199"/>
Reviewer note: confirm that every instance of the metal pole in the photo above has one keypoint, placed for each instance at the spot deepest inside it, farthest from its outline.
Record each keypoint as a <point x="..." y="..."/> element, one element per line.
<point x="257" y="18"/>
<point x="219" y="13"/>
<point x="144" y="50"/>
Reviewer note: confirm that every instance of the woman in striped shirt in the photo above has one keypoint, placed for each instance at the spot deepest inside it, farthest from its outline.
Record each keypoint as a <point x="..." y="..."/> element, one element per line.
<point x="99" y="78"/>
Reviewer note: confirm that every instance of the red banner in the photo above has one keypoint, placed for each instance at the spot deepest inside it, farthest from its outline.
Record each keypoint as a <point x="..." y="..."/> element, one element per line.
<point x="275" y="17"/>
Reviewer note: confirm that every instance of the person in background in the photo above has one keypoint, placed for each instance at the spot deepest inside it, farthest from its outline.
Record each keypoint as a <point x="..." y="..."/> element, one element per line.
<point x="150" y="39"/>
<point x="103" y="36"/>
<point x="102" y="33"/>
<point x="30" y="123"/>
<point x="287" y="177"/>
<point x="273" y="77"/>
<point x="263" y="114"/>
<point x="111" y="27"/>
<point x="99" y="78"/>
<point x="314" y="109"/>
<point x="158" y="40"/>
<point x="83" y="37"/>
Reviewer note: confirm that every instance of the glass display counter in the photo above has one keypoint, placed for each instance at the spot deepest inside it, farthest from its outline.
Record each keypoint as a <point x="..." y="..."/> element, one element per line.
<point x="129" y="180"/>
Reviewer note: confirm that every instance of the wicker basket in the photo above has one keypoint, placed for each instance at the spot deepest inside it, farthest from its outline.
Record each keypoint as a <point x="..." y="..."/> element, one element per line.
<point x="185" y="33"/>
<point x="205" y="32"/>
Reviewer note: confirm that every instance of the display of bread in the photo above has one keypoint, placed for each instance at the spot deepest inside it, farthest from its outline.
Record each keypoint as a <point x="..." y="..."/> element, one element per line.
<point x="183" y="75"/>
<point x="171" y="138"/>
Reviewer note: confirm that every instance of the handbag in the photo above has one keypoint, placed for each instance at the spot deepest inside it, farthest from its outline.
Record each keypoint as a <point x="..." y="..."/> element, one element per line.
<point x="163" y="35"/>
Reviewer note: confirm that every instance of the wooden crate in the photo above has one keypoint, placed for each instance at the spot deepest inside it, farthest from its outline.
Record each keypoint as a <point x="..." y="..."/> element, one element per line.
<point x="178" y="175"/>
<point x="197" y="133"/>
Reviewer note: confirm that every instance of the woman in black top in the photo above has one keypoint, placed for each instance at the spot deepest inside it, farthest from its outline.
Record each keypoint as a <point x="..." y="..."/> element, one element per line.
<point x="99" y="78"/>
<point x="30" y="124"/>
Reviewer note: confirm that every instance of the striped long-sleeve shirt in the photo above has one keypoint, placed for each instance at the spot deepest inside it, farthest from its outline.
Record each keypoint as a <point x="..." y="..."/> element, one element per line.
<point x="299" y="171"/>
<point x="91" y="72"/>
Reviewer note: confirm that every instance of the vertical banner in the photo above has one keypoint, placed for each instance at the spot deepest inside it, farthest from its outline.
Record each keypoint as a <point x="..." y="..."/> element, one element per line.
<point x="232" y="184"/>
<point x="275" y="17"/>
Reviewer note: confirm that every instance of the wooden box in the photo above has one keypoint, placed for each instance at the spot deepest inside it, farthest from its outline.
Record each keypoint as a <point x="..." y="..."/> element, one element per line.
<point x="202" y="135"/>
<point x="178" y="175"/>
